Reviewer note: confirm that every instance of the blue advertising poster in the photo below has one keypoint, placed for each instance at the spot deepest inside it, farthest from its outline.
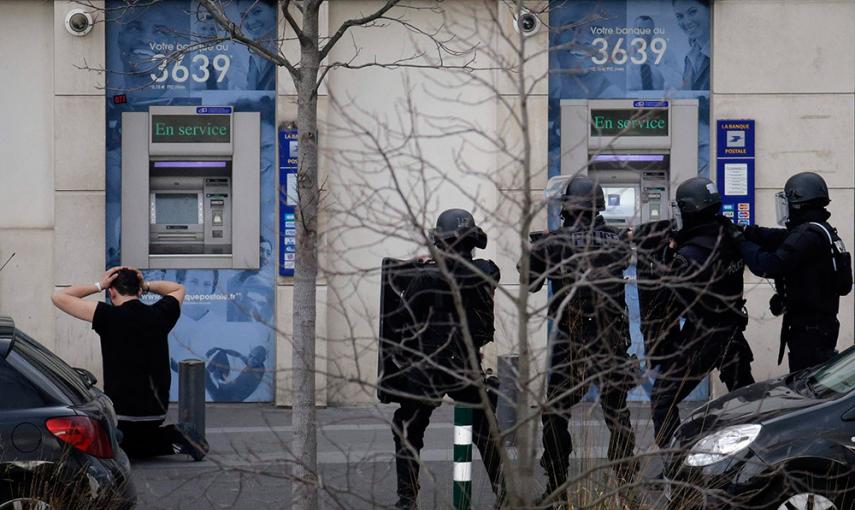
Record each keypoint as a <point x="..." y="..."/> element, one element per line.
<point x="287" y="201"/>
<point x="646" y="50"/>
<point x="735" y="169"/>
<point x="228" y="315"/>
<point x="620" y="49"/>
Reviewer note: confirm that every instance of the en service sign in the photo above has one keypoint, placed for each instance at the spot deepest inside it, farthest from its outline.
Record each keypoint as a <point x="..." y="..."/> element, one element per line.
<point x="629" y="122"/>
<point x="191" y="128"/>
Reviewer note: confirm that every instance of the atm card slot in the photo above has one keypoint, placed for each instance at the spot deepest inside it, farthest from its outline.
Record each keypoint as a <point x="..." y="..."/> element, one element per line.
<point x="177" y="249"/>
<point x="177" y="237"/>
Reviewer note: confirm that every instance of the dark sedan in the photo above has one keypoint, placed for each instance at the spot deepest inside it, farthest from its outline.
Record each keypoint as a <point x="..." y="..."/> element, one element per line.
<point x="58" y="437"/>
<point x="787" y="443"/>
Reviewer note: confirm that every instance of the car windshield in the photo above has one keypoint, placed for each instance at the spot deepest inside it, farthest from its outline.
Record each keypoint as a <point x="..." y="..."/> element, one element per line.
<point x="835" y="377"/>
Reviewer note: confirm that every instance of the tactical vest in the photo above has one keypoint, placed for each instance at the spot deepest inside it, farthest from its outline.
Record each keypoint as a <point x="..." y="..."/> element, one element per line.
<point x="715" y="270"/>
<point x="812" y="288"/>
<point x="585" y="265"/>
<point x="437" y="325"/>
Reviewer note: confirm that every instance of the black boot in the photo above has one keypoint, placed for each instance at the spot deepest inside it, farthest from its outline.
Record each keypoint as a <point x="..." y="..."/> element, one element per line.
<point x="410" y="422"/>
<point x="556" y="475"/>
<point x="407" y="469"/>
<point x="406" y="504"/>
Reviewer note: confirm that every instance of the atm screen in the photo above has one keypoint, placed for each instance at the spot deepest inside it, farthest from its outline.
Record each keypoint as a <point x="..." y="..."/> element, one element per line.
<point x="621" y="203"/>
<point x="176" y="208"/>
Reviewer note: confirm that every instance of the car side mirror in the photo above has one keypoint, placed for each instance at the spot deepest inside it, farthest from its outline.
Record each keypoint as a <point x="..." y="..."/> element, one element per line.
<point x="88" y="377"/>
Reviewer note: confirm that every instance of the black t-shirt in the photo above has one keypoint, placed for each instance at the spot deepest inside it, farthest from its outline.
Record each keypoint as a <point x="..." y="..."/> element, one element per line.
<point x="135" y="351"/>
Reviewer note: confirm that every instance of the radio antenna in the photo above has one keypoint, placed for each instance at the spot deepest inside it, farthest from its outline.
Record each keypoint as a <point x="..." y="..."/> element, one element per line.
<point x="7" y="261"/>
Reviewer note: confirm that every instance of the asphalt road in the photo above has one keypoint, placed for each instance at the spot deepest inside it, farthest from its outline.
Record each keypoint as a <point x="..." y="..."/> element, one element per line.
<point x="250" y="460"/>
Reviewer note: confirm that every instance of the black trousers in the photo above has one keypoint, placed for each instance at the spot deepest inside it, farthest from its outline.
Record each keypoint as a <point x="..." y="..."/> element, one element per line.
<point x="578" y="360"/>
<point x="411" y="420"/>
<point x="811" y="340"/>
<point x="681" y="373"/>
<point x="141" y="439"/>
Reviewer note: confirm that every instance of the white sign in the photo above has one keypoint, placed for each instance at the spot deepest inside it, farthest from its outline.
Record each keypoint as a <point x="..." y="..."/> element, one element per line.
<point x="291" y="197"/>
<point x="736" y="179"/>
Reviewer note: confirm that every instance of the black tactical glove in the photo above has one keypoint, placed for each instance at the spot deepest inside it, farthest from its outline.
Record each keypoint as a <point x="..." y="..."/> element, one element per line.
<point x="776" y="305"/>
<point x="749" y="230"/>
<point x="732" y="231"/>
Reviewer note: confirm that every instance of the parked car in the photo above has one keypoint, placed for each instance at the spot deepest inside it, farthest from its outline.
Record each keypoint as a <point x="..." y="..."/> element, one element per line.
<point x="787" y="443"/>
<point x="59" y="444"/>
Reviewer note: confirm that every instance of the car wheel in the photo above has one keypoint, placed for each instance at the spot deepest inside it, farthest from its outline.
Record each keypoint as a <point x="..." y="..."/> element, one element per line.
<point x="24" y="504"/>
<point x="808" y="501"/>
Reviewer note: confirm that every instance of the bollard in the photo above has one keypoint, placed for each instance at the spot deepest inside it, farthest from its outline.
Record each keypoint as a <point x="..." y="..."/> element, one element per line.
<point x="191" y="394"/>
<point x="462" y="493"/>
<point x="506" y="408"/>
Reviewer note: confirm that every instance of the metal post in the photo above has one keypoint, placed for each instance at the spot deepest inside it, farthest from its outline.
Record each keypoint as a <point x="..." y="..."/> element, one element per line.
<point x="506" y="408"/>
<point x="462" y="494"/>
<point x="191" y="394"/>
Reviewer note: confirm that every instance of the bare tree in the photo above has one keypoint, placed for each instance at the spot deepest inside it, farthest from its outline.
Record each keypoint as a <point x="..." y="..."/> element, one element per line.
<point x="307" y="73"/>
<point x="402" y="210"/>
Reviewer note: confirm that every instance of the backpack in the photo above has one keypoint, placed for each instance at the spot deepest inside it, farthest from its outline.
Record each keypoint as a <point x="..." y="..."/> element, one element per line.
<point x="840" y="259"/>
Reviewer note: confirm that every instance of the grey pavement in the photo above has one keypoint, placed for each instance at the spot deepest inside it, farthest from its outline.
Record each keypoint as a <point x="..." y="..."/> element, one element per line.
<point x="249" y="463"/>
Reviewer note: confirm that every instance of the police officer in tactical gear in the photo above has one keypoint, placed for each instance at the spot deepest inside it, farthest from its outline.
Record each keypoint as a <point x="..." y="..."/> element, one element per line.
<point x="808" y="279"/>
<point x="436" y="354"/>
<point x="584" y="259"/>
<point x="653" y="254"/>
<point x="706" y="277"/>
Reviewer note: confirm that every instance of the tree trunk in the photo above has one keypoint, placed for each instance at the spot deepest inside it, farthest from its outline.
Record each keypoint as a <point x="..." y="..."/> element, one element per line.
<point x="305" y="442"/>
<point x="528" y="432"/>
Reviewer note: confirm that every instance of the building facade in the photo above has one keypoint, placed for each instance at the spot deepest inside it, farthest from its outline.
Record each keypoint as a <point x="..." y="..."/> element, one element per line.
<point x="787" y="65"/>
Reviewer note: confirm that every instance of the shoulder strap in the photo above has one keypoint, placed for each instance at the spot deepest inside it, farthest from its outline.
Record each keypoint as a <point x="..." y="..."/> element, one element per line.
<point x="827" y="233"/>
<point x="830" y="241"/>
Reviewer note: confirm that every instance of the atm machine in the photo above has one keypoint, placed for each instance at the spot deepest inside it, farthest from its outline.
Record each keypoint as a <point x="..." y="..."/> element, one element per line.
<point x="637" y="150"/>
<point x="190" y="188"/>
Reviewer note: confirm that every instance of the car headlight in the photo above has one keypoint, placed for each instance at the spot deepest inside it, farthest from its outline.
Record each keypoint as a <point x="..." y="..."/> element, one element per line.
<point x="722" y="444"/>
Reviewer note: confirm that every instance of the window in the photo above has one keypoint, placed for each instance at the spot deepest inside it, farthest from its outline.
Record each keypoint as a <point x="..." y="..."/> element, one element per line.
<point x="51" y="368"/>
<point x="18" y="391"/>
<point x="836" y="377"/>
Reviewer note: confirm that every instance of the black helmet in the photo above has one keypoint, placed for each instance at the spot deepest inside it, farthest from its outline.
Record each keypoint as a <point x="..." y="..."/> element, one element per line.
<point x="697" y="195"/>
<point x="582" y="193"/>
<point x="455" y="225"/>
<point x="804" y="188"/>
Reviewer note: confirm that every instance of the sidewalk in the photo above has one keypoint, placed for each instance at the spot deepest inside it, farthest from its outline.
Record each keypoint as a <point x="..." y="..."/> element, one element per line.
<point x="249" y="461"/>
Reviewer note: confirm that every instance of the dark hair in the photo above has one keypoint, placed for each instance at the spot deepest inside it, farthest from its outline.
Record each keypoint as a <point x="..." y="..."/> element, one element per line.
<point x="127" y="283"/>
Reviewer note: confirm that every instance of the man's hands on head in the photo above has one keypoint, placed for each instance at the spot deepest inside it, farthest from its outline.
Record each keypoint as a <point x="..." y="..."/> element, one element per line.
<point x="164" y="288"/>
<point x="70" y="299"/>
<point x="109" y="277"/>
<point x="144" y="285"/>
